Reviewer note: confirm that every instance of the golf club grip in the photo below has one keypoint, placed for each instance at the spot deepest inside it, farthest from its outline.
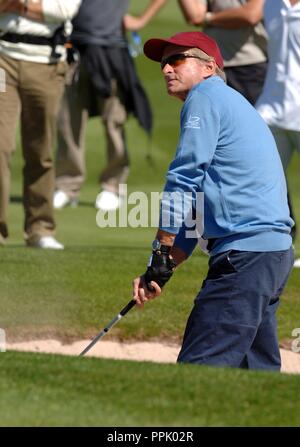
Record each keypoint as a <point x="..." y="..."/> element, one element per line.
<point x="127" y="307"/>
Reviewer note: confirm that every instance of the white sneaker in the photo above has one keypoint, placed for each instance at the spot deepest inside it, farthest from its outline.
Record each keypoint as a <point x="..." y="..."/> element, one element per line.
<point x="61" y="199"/>
<point x="297" y="263"/>
<point x="107" y="201"/>
<point x="46" y="242"/>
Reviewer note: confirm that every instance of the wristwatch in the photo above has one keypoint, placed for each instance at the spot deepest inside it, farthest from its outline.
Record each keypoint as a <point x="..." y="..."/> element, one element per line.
<point x="159" y="248"/>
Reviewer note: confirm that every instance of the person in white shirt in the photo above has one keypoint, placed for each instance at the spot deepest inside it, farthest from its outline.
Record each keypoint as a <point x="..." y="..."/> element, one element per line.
<point x="279" y="103"/>
<point x="33" y="58"/>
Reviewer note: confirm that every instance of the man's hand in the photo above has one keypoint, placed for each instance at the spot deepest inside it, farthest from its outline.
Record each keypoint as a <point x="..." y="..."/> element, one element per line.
<point x="32" y="10"/>
<point x="141" y="293"/>
<point x="132" y="23"/>
<point x="135" y="23"/>
<point x="160" y="268"/>
<point x="4" y="5"/>
<point x="14" y="6"/>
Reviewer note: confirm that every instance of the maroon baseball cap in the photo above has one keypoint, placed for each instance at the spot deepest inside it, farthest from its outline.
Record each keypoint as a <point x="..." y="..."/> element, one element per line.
<point x="154" y="48"/>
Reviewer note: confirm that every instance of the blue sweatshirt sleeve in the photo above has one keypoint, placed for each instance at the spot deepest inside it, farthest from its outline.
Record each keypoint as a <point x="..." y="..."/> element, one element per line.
<point x="185" y="244"/>
<point x="200" y="125"/>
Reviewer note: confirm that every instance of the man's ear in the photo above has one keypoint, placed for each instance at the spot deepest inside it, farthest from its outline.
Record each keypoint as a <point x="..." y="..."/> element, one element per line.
<point x="210" y="66"/>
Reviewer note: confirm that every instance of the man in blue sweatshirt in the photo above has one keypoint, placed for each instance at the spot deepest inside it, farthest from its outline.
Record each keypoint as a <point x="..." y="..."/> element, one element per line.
<point x="226" y="152"/>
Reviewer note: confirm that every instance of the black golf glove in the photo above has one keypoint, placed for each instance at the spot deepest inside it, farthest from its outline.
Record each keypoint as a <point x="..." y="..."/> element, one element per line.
<point x="160" y="268"/>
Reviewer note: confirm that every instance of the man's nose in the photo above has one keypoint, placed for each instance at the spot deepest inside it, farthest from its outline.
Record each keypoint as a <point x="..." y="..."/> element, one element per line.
<point x="167" y="69"/>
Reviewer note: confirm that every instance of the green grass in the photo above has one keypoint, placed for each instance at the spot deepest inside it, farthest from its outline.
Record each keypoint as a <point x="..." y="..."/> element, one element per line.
<point x="71" y="294"/>
<point x="43" y="390"/>
<point x="74" y="293"/>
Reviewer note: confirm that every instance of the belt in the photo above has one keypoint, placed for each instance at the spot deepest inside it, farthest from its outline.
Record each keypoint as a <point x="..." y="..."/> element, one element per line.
<point x="58" y="38"/>
<point x="27" y="38"/>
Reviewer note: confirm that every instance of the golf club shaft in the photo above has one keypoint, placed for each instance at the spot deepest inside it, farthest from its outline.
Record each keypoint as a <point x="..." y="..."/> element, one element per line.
<point x="109" y="326"/>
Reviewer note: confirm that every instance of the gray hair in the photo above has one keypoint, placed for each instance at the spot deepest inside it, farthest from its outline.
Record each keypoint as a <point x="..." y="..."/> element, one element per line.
<point x="205" y="57"/>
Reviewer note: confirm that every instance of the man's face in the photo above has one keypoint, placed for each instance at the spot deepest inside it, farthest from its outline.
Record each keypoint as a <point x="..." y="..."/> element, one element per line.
<point x="183" y="73"/>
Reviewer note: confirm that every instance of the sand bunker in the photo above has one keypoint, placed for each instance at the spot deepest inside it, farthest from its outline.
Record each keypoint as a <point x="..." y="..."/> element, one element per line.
<point x="142" y="351"/>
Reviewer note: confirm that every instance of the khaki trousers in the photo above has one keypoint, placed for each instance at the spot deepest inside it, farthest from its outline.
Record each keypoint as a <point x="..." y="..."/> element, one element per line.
<point x="72" y="121"/>
<point x="33" y="93"/>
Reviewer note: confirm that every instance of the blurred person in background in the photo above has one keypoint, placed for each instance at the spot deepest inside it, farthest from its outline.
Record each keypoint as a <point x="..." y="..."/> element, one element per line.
<point x="279" y="103"/>
<point x="238" y="28"/>
<point x="32" y="55"/>
<point x="104" y="83"/>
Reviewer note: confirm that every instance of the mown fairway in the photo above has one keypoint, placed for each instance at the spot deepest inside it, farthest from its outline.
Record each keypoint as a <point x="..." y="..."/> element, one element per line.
<point x="42" y="390"/>
<point x="73" y="293"/>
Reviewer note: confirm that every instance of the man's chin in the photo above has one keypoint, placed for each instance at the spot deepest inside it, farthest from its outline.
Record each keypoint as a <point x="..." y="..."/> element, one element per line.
<point x="174" y="93"/>
<point x="171" y="91"/>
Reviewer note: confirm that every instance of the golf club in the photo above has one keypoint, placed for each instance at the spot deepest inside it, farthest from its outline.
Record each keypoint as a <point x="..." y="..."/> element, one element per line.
<point x="109" y="326"/>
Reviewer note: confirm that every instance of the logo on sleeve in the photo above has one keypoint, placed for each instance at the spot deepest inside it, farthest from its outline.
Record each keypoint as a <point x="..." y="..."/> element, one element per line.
<point x="193" y="122"/>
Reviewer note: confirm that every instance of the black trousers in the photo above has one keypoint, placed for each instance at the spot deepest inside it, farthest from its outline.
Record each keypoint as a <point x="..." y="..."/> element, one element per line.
<point x="247" y="79"/>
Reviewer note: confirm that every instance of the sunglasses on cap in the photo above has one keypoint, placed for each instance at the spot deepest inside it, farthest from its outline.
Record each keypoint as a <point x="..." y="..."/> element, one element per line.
<point x="177" y="59"/>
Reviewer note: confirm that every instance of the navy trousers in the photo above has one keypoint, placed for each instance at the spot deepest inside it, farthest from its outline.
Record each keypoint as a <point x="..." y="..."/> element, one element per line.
<point x="233" y="321"/>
